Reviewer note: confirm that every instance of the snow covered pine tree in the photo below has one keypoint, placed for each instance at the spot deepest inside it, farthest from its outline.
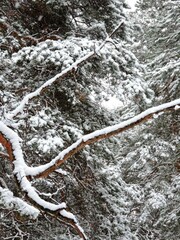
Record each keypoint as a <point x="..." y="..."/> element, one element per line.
<point x="67" y="74"/>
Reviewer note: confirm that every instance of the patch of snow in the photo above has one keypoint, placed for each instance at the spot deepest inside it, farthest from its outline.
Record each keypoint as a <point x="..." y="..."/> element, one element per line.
<point x="112" y="104"/>
<point x="177" y="107"/>
<point x="157" y="201"/>
<point x="132" y="4"/>
<point x="9" y="201"/>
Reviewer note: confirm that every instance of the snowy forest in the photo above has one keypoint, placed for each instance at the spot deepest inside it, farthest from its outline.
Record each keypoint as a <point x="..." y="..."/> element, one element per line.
<point x="89" y="120"/>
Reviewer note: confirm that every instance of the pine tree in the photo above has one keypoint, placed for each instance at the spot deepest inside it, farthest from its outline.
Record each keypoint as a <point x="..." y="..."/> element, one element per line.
<point x="153" y="163"/>
<point x="120" y="188"/>
<point x="39" y="40"/>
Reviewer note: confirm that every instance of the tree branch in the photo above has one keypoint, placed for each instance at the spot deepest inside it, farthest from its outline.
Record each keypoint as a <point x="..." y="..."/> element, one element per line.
<point x="60" y="76"/>
<point x="11" y="141"/>
<point x="45" y="170"/>
<point x="24" y="40"/>
<point x="4" y="155"/>
<point x="9" y="201"/>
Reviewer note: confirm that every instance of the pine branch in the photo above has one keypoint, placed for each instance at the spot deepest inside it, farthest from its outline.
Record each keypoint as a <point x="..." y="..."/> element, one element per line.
<point x="11" y="141"/>
<point x="45" y="170"/>
<point x="60" y="76"/>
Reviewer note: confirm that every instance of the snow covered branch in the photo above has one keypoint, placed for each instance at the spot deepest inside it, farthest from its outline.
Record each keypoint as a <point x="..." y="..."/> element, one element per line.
<point x="23" y="173"/>
<point x="45" y="170"/>
<point x="8" y="200"/>
<point x="61" y="75"/>
<point x="11" y="141"/>
<point x="4" y="155"/>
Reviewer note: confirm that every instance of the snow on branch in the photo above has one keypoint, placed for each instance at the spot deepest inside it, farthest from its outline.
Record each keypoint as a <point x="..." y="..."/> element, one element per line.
<point x="11" y="141"/>
<point x="23" y="173"/>
<point x="61" y="75"/>
<point x="46" y="169"/>
<point x="10" y="202"/>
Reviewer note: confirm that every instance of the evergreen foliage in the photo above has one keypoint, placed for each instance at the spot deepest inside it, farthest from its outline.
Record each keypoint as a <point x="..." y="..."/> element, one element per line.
<point x="126" y="187"/>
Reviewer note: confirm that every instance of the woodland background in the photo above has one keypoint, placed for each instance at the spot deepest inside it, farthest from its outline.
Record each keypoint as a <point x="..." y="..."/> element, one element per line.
<point x="123" y="188"/>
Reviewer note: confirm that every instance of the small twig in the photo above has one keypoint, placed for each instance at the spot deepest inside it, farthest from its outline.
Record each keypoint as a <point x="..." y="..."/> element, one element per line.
<point x="4" y="155"/>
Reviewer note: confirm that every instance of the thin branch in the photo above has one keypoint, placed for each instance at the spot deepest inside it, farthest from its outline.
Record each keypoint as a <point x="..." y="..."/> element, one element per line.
<point x="4" y="155"/>
<point x="60" y="76"/>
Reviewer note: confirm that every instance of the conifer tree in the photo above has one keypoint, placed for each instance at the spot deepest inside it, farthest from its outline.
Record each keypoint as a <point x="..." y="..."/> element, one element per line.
<point x="66" y="71"/>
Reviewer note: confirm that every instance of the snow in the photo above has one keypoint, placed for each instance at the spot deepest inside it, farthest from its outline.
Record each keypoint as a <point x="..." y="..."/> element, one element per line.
<point x="47" y="144"/>
<point x="9" y="201"/>
<point x="20" y="173"/>
<point x="140" y="116"/>
<point x="157" y="201"/>
<point x="19" y="170"/>
<point x="62" y="172"/>
<point x="31" y="95"/>
<point x="68" y="215"/>
<point x="70" y="66"/>
<point x="177" y="107"/>
<point x="21" y="167"/>
<point x="112" y="104"/>
<point x="154" y="110"/>
<point x="132" y="4"/>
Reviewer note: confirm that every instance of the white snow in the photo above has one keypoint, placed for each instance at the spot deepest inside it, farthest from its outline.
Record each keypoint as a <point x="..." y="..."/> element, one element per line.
<point x="47" y="144"/>
<point x="20" y="173"/>
<point x="70" y="67"/>
<point x="177" y="107"/>
<point x="67" y="214"/>
<point x="31" y="95"/>
<point x="157" y="201"/>
<point x="9" y="201"/>
<point x="154" y="110"/>
<point x="132" y="4"/>
<point x="19" y="170"/>
<point x="112" y="104"/>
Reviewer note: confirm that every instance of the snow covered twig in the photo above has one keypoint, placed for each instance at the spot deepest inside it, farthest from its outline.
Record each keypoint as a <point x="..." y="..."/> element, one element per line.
<point x="4" y="155"/>
<point x="10" y="202"/>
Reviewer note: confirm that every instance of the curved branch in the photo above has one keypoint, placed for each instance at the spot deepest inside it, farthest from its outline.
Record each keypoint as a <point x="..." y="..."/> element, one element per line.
<point x="45" y="170"/>
<point x="11" y="141"/>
